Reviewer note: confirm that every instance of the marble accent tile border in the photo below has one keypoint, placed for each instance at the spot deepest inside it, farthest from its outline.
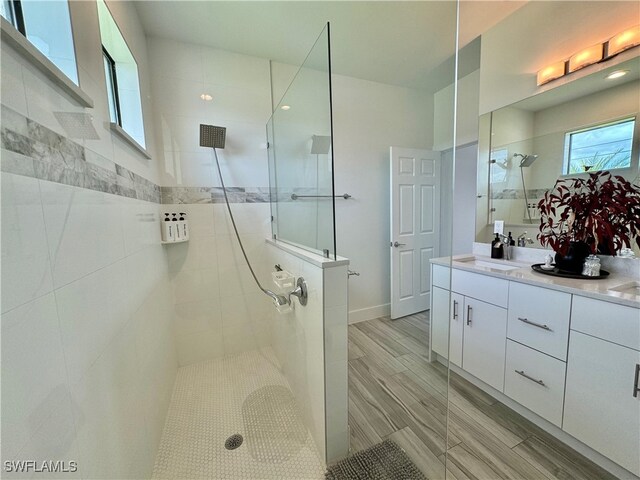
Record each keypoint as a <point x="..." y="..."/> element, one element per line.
<point x="31" y="149"/>
<point x="513" y="194"/>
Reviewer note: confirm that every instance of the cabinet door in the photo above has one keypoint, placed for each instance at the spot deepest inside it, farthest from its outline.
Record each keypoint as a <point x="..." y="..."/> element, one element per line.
<point x="457" y="328"/>
<point x="485" y="336"/>
<point x="600" y="407"/>
<point x="440" y="321"/>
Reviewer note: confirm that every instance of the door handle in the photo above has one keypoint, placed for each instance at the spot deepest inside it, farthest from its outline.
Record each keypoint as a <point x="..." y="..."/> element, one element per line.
<point x="396" y="244"/>
<point x="455" y="309"/>
<point x="469" y="310"/>
<point x="636" y="389"/>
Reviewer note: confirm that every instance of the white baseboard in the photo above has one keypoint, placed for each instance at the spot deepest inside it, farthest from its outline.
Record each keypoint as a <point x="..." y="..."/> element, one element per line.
<point x="369" y="313"/>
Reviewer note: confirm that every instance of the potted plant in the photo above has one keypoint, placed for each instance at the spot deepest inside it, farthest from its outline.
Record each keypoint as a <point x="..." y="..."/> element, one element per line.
<point x="582" y="216"/>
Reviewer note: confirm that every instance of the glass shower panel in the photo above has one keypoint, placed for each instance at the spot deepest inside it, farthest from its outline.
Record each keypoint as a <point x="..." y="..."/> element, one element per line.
<point x="301" y="156"/>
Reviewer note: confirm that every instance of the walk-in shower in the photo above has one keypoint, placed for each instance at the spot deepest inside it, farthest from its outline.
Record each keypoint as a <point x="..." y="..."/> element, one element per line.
<point x="214" y="137"/>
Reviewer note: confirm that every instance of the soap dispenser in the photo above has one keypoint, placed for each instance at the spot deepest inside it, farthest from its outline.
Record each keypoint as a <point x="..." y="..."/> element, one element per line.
<point x="177" y="237"/>
<point x="184" y="226"/>
<point x="497" y="249"/>
<point x="167" y="229"/>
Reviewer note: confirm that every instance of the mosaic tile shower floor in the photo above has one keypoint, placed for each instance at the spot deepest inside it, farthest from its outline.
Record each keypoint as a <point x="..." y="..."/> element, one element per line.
<point x="245" y="394"/>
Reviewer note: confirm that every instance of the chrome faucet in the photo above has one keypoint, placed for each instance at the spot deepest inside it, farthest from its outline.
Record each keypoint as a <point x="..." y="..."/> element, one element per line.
<point x="523" y="240"/>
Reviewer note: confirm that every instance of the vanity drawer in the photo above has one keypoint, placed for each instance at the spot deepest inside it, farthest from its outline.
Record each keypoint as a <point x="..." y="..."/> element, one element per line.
<point x="539" y="318"/>
<point x="481" y="287"/>
<point x="615" y="323"/>
<point x="539" y="385"/>
<point x="440" y="276"/>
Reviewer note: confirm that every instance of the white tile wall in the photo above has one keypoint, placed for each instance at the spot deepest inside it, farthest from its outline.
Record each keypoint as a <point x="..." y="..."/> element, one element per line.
<point x="218" y="308"/>
<point x="88" y="364"/>
<point x="26" y="272"/>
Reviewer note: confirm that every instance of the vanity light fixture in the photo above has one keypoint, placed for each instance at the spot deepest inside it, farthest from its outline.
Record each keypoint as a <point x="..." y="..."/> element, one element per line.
<point x="551" y="72"/>
<point x="624" y="40"/>
<point x="601" y="52"/>
<point x="616" y="74"/>
<point x="206" y="97"/>
<point x="586" y="57"/>
<point x="285" y="107"/>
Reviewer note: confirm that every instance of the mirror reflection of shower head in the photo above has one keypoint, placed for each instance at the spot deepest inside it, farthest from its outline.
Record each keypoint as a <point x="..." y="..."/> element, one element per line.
<point x="527" y="160"/>
<point x="320" y="144"/>
<point x="212" y="136"/>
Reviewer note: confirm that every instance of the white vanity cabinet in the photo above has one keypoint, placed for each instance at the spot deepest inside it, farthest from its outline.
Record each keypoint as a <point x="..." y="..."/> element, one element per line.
<point x="447" y="313"/>
<point x="484" y="339"/>
<point x="602" y="404"/>
<point x="478" y="326"/>
<point x="572" y="360"/>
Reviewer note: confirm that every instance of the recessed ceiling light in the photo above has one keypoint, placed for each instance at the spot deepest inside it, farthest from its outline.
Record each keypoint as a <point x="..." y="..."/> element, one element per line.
<point x="206" y="97"/>
<point x="285" y="107"/>
<point x="617" y="74"/>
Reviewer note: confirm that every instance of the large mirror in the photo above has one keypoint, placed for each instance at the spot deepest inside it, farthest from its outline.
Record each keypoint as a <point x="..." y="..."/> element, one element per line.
<point x="581" y="125"/>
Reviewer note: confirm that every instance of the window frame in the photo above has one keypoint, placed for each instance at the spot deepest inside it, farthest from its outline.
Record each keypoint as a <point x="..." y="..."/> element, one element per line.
<point x="634" y="166"/>
<point x="117" y="126"/>
<point x="113" y="81"/>
<point x="17" y="22"/>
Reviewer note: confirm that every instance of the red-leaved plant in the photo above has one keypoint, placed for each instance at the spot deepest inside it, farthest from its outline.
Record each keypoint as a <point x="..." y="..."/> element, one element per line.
<point x="603" y="211"/>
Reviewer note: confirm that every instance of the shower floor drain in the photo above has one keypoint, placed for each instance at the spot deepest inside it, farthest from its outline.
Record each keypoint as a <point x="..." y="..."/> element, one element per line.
<point x="233" y="442"/>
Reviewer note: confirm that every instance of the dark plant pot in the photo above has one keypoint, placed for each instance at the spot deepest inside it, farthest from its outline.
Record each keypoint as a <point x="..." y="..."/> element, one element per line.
<point x="573" y="261"/>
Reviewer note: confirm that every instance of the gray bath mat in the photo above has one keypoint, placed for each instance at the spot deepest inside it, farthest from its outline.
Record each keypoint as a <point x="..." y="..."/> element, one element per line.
<point x="384" y="461"/>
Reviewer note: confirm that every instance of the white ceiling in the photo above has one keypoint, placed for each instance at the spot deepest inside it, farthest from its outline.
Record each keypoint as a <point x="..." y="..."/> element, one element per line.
<point x="397" y="42"/>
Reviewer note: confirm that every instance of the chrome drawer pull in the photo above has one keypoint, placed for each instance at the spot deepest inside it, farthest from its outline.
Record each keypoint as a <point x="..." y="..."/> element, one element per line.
<point x="636" y="389"/>
<point x="469" y="310"/>
<point x="455" y="309"/>
<point x="539" y="325"/>
<point x="539" y="382"/>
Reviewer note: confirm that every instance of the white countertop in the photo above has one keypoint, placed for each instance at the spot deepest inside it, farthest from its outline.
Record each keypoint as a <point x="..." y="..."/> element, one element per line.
<point x="598" y="289"/>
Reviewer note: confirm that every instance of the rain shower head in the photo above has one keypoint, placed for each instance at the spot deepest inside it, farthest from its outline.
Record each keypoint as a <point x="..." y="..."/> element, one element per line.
<point x="527" y="160"/>
<point x="212" y="136"/>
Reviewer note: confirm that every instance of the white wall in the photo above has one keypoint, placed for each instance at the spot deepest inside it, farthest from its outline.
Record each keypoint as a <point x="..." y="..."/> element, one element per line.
<point x="515" y="49"/>
<point x="369" y="118"/>
<point x="88" y="357"/>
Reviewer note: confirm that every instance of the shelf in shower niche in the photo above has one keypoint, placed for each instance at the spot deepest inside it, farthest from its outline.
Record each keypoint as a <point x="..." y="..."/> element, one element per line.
<point x="556" y="272"/>
<point x="171" y="243"/>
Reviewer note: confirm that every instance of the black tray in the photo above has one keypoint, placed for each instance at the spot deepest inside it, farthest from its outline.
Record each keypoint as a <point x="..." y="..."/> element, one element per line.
<point x="556" y="272"/>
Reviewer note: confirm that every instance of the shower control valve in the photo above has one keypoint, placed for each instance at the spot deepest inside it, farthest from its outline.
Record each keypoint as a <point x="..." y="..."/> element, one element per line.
<point x="300" y="291"/>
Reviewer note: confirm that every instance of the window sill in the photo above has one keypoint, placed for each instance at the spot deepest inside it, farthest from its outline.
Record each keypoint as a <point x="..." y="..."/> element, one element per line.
<point x="25" y="48"/>
<point x="119" y="131"/>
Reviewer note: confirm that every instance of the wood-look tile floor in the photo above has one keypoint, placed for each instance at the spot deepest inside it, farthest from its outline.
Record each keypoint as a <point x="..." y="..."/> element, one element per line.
<point x="394" y="392"/>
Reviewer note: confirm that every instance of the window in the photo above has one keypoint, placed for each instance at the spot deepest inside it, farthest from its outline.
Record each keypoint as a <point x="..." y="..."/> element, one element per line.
<point x="603" y="147"/>
<point x="121" y="75"/>
<point x="47" y="25"/>
<point x="499" y="165"/>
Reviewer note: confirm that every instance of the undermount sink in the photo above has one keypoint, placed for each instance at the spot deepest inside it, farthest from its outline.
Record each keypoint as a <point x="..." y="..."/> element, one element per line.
<point x="497" y="265"/>
<point x="630" y="288"/>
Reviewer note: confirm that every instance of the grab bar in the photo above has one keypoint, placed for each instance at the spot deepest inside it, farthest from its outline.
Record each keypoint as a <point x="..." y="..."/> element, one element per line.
<point x="346" y="196"/>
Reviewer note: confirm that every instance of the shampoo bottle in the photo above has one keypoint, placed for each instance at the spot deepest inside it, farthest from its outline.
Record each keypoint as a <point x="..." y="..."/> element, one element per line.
<point x="176" y="230"/>
<point x="167" y="229"/>
<point x="184" y="226"/>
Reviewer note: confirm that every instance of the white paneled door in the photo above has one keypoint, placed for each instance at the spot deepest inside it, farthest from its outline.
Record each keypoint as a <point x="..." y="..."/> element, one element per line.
<point x="415" y="220"/>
